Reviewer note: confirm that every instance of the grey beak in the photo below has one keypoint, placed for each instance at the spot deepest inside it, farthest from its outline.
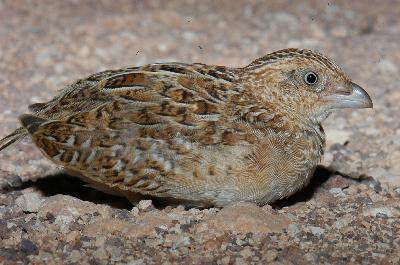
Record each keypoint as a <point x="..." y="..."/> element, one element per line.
<point x="354" y="97"/>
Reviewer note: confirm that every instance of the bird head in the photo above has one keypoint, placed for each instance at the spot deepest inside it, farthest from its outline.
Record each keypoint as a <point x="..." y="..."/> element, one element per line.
<point x="304" y="85"/>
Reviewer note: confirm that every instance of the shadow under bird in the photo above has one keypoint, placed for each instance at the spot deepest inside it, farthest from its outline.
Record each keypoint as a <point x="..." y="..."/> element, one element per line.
<point x="194" y="133"/>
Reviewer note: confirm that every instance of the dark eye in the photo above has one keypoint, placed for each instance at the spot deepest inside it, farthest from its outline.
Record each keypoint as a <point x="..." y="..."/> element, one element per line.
<point x="311" y="78"/>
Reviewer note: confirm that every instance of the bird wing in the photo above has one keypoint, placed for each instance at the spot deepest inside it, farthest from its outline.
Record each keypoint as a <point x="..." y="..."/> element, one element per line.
<point x="136" y="126"/>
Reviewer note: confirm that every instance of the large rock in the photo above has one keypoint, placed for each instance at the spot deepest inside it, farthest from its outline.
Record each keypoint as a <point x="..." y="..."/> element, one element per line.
<point x="64" y="205"/>
<point x="245" y="217"/>
<point x="145" y="225"/>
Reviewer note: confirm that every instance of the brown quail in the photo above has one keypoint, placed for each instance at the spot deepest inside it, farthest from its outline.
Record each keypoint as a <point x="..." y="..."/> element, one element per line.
<point x="200" y="134"/>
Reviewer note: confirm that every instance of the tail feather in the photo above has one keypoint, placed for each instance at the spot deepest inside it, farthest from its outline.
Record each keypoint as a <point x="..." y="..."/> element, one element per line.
<point x="15" y="137"/>
<point x="31" y="122"/>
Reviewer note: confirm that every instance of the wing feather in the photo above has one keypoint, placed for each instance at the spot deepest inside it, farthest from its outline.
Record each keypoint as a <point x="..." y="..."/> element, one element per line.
<point x="145" y="128"/>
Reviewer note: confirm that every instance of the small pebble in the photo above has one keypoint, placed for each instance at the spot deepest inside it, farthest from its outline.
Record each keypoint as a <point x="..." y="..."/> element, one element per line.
<point x="145" y="205"/>
<point x="29" y="247"/>
<point x="337" y="192"/>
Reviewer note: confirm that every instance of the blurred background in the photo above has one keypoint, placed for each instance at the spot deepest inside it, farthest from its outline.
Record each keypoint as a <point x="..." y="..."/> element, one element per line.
<point x="47" y="44"/>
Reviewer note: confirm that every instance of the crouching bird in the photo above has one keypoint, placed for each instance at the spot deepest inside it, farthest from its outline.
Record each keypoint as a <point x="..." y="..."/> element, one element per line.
<point x="199" y="134"/>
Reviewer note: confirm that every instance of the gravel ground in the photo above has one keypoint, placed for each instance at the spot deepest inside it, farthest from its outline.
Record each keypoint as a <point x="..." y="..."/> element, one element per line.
<point x="348" y="215"/>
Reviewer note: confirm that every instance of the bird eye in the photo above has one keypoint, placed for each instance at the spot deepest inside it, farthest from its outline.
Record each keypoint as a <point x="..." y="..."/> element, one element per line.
<point x="310" y="78"/>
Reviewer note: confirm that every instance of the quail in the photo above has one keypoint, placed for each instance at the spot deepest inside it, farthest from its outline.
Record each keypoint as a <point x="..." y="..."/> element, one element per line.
<point x="199" y="134"/>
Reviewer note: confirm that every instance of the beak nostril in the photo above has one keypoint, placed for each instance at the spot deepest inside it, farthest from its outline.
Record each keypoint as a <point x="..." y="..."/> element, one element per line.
<point x="343" y="90"/>
<point x="350" y="96"/>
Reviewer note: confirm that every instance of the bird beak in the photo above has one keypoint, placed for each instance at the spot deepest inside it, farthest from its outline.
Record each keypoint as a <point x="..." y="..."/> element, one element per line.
<point x="349" y="96"/>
